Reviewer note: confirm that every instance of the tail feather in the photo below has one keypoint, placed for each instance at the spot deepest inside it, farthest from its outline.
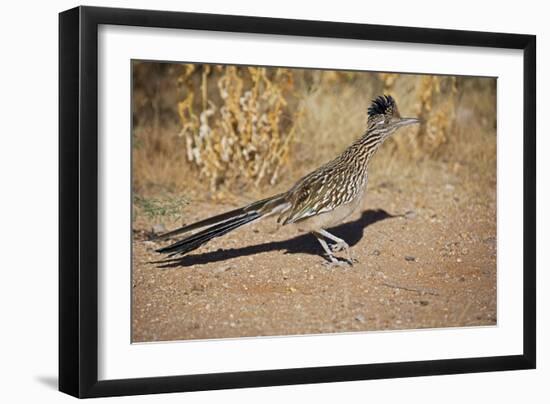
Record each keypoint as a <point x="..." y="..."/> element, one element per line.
<point x="196" y="240"/>
<point x="203" y="223"/>
<point x="218" y="218"/>
<point x="219" y="225"/>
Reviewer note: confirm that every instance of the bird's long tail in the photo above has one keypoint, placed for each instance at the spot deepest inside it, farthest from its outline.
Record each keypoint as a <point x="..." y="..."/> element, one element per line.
<point x="219" y="225"/>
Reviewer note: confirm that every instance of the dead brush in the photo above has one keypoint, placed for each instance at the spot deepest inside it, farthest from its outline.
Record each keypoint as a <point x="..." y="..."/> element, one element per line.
<point x="237" y="125"/>
<point x="434" y="100"/>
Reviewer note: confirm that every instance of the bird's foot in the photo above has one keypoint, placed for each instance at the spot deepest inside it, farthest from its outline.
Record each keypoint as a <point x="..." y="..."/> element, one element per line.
<point x="338" y="262"/>
<point x="343" y="246"/>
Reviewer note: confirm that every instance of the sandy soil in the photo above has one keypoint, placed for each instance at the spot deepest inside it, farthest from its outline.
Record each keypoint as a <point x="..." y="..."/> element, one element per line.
<point x="426" y="247"/>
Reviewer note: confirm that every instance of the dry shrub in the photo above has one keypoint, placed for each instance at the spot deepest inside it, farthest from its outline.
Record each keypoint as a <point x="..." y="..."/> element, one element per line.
<point x="158" y="166"/>
<point x="334" y="115"/>
<point x="474" y="146"/>
<point x="433" y="99"/>
<point x="239" y="134"/>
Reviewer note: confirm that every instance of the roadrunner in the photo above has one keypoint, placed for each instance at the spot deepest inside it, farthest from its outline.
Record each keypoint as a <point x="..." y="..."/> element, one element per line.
<point x="320" y="200"/>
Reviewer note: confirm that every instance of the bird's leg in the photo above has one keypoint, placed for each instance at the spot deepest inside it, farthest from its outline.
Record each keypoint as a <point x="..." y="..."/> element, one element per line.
<point x="330" y="249"/>
<point x="339" y="244"/>
<point x="331" y="257"/>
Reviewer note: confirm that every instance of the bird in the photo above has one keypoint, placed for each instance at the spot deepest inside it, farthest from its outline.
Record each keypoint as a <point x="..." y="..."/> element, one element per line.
<point x="320" y="200"/>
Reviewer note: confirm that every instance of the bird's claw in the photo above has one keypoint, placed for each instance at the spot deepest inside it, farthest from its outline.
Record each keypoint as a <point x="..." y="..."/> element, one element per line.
<point x="343" y="246"/>
<point x="335" y="262"/>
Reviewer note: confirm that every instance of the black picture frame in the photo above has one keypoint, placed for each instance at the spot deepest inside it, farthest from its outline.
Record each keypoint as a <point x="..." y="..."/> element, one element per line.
<point x="78" y="201"/>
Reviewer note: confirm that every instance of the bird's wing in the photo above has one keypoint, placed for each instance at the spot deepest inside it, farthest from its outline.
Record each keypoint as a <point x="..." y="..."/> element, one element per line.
<point x="311" y="196"/>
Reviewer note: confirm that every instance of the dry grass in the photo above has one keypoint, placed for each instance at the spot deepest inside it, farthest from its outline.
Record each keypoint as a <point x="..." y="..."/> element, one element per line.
<point x="220" y="131"/>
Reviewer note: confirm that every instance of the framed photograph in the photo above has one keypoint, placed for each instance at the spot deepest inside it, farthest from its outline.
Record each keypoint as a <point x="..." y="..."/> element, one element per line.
<point x="251" y="201"/>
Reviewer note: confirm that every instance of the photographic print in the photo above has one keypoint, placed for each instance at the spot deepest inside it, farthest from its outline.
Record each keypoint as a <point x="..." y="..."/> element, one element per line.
<point x="273" y="201"/>
<point x="318" y="188"/>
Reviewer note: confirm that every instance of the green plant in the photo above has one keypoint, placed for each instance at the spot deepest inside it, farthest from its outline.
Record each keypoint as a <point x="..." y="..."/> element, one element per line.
<point x="155" y="208"/>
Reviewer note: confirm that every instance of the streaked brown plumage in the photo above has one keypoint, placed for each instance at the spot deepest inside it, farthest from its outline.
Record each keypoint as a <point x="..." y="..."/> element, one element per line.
<point x="320" y="200"/>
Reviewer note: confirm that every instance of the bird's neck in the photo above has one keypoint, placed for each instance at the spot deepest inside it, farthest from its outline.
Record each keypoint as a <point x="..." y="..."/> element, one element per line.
<point x="358" y="154"/>
<point x="368" y="145"/>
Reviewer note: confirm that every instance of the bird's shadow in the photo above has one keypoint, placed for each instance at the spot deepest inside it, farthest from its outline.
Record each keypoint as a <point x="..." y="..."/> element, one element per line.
<point x="351" y="232"/>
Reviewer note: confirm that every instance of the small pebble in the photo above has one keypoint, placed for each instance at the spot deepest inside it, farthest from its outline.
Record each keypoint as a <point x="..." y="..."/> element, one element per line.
<point x="360" y="318"/>
<point x="410" y="258"/>
<point x="223" y="269"/>
<point x="376" y="252"/>
<point x="149" y="245"/>
<point x="158" y="228"/>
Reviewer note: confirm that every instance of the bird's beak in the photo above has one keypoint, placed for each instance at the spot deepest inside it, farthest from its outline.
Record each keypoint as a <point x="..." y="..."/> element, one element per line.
<point x="407" y="121"/>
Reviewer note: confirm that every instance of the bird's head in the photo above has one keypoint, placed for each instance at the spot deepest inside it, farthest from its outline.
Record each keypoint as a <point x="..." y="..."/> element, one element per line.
<point x="384" y="117"/>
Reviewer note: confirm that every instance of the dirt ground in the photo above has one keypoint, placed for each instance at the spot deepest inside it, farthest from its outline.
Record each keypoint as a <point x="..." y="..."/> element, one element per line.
<point x="426" y="251"/>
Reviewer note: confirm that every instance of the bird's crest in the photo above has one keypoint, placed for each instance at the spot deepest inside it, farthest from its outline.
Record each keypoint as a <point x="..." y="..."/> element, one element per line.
<point x="382" y="105"/>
